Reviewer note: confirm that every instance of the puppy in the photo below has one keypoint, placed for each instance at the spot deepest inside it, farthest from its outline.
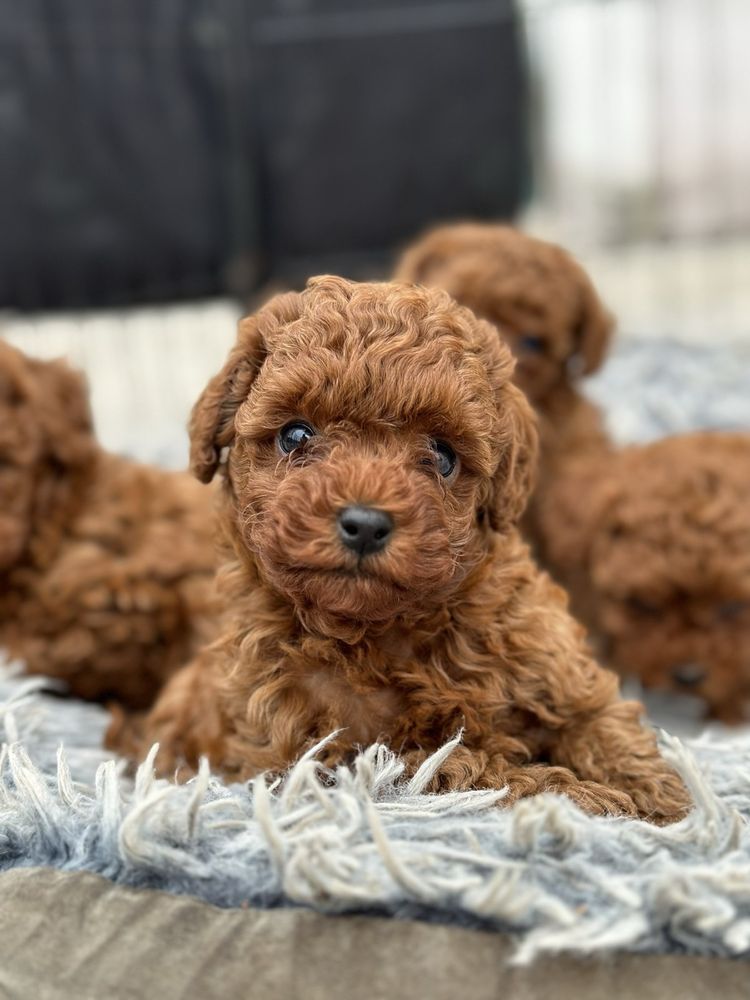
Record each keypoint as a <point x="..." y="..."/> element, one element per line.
<point x="105" y="566"/>
<point x="375" y="458"/>
<point x="654" y="548"/>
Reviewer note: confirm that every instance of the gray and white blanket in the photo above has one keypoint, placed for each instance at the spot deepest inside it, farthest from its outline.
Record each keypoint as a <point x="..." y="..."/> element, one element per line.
<point x="366" y="840"/>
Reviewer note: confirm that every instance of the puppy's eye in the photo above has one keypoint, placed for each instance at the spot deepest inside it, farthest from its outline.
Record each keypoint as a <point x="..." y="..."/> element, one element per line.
<point x="529" y="343"/>
<point x="731" y="610"/>
<point x="445" y="457"/>
<point x="293" y="436"/>
<point x="641" y="607"/>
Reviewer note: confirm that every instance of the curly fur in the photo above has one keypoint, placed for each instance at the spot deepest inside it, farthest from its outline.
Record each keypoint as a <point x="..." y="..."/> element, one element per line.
<point x="105" y="566"/>
<point x="542" y="302"/>
<point x="452" y="626"/>
<point x="658" y="562"/>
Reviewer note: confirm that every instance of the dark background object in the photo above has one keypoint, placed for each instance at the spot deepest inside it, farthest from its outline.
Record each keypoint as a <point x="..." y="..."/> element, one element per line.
<point x="155" y="150"/>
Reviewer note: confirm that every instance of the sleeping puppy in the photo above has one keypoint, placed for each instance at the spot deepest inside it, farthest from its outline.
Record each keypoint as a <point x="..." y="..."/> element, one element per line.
<point x="654" y="549"/>
<point x="105" y="566"/>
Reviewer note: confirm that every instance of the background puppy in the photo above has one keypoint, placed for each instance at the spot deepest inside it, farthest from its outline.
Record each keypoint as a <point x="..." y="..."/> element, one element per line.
<point x="655" y="550"/>
<point x="375" y="458"/>
<point x="105" y="566"/>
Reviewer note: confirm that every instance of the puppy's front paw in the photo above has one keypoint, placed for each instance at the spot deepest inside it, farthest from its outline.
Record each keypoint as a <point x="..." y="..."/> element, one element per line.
<point x="186" y="721"/>
<point x="462" y="770"/>
<point x="663" y="798"/>
<point x="591" y="796"/>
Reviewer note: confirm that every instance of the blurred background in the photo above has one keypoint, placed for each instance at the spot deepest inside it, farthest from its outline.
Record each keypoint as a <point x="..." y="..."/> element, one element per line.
<point x="165" y="162"/>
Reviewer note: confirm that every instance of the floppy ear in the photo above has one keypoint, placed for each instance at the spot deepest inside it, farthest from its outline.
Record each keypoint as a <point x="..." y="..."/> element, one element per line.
<point x="211" y="425"/>
<point x="594" y="330"/>
<point x="418" y="262"/>
<point x="61" y="402"/>
<point x="515" y="476"/>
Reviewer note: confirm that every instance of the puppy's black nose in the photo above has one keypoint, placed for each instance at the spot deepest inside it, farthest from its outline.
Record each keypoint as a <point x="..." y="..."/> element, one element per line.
<point x="364" y="530"/>
<point x="689" y="674"/>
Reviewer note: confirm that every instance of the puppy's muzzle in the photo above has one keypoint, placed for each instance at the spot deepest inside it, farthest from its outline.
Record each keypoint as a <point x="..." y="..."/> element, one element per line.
<point x="364" y="530"/>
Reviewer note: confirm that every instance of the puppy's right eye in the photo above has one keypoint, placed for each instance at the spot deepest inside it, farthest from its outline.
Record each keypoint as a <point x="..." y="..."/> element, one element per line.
<point x="445" y="457"/>
<point x="642" y="607"/>
<point x="293" y="436"/>
<point x="531" y="344"/>
<point x="730" y="610"/>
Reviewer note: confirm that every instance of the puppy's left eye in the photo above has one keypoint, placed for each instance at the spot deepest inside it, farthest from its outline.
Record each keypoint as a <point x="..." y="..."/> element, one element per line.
<point x="731" y="610"/>
<point x="643" y="607"/>
<point x="445" y="457"/>
<point x="293" y="436"/>
<point x="531" y="344"/>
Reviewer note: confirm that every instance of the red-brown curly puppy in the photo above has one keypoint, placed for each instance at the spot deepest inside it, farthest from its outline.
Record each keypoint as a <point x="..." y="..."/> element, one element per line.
<point x="545" y="308"/>
<point x="375" y="459"/>
<point x="105" y="566"/>
<point x="655" y="550"/>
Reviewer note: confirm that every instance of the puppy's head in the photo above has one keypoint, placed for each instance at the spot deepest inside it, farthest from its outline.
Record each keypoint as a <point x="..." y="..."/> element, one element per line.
<point x="45" y="435"/>
<point x="371" y="440"/>
<point x="668" y="551"/>
<point x="536" y="294"/>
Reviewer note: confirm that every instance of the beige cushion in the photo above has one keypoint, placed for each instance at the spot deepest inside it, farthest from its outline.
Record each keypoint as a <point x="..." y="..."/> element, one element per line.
<point x="78" y="935"/>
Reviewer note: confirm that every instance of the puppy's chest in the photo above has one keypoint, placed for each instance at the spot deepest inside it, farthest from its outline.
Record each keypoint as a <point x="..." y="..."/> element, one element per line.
<point x="366" y="712"/>
<point x="358" y="692"/>
<point x="389" y="690"/>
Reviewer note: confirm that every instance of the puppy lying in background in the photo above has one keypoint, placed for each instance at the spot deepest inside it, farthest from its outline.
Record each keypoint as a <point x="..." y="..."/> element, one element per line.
<point x="105" y="565"/>
<point x="375" y="458"/>
<point x="654" y="548"/>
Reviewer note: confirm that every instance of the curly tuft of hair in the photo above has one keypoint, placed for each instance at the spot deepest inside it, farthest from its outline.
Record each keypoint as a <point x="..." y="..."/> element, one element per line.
<point x="375" y="457"/>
